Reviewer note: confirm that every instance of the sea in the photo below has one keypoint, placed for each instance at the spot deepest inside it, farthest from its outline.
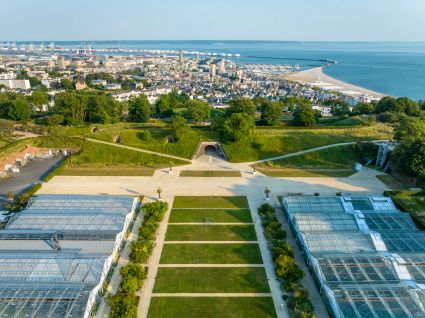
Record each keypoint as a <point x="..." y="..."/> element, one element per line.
<point x="391" y="68"/>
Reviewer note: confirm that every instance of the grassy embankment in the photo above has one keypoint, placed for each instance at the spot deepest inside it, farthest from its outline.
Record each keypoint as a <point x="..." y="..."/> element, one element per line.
<point x="265" y="143"/>
<point x="332" y="162"/>
<point x="412" y="202"/>
<point x="98" y="159"/>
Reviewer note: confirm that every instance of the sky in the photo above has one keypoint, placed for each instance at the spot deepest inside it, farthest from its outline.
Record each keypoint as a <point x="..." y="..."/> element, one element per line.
<point x="286" y="20"/>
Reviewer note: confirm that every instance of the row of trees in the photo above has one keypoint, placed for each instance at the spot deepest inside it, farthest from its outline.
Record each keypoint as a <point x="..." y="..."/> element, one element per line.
<point x="124" y="303"/>
<point x="285" y="266"/>
<point x="20" y="107"/>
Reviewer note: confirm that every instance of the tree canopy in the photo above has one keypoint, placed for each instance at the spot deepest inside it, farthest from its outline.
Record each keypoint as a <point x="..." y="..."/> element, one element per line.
<point x="139" y="109"/>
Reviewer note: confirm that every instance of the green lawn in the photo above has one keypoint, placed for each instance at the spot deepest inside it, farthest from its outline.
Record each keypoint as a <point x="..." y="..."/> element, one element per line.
<point x="211" y="280"/>
<point x="268" y="143"/>
<point x="332" y="162"/>
<point x="209" y="174"/>
<point x="108" y="171"/>
<point x="412" y="202"/>
<point x="232" y="202"/>
<point x="211" y="254"/>
<point x="210" y="233"/>
<point x="208" y="307"/>
<point x="215" y="215"/>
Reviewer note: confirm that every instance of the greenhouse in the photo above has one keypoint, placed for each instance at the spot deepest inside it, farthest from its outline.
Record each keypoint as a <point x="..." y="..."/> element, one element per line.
<point x="56" y="254"/>
<point x="367" y="257"/>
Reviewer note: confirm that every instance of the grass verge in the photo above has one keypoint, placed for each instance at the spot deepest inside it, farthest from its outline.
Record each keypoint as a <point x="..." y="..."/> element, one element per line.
<point x="213" y="215"/>
<point x="231" y="202"/>
<point x="412" y="202"/>
<point x="108" y="171"/>
<point x="209" y="174"/>
<point x="210" y="233"/>
<point x="211" y="280"/>
<point x="209" y="307"/>
<point x="211" y="254"/>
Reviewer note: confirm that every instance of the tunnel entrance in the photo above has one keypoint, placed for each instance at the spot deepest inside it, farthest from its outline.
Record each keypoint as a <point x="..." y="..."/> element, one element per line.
<point x="211" y="149"/>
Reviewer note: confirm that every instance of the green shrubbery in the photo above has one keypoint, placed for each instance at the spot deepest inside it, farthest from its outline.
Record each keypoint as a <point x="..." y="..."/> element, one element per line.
<point x="285" y="266"/>
<point x="132" y="278"/>
<point x="124" y="304"/>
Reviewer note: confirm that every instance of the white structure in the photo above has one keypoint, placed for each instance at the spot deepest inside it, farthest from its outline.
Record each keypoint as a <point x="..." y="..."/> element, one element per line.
<point x="15" y="83"/>
<point x="213" y="70"/>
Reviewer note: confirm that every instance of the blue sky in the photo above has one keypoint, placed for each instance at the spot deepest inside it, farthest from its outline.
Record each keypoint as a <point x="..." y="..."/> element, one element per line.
<point x="332" y="20"/>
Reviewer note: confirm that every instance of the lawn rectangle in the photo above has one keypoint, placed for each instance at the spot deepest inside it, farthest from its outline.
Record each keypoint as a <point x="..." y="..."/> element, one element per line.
<point x="211" y="280"/>
<point x="210" y="215"/>
<point x="209" y="307"/>
<point x="232" y="202"/>
<point x="210" y="232"/>
<point x="111" y="171"/>
<point x="209" y="174"/>
<point x="211" y="254"/>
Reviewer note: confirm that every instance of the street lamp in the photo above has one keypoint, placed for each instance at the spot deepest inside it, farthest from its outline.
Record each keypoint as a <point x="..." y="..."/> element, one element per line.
<point x="267" y="192"/>
<point x="159" y="191"/>
<point x="171" y="167"/>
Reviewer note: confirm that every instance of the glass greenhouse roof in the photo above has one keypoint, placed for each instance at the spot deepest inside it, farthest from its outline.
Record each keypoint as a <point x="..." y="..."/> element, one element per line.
<point x="380" y="301"/>
<point x="314" y="204"/>
<point x="318" y="222"/>
<point x="55" y="252"/>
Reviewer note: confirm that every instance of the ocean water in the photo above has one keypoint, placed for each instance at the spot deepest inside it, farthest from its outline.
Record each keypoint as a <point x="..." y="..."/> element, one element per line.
<point x="396" y="69"/>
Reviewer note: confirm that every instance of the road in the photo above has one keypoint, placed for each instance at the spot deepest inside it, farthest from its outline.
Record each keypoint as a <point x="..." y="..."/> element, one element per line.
<point x="30" y="174"/>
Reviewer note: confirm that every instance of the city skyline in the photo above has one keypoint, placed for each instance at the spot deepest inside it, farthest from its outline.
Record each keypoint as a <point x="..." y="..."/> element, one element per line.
<point x="271" y="20"/>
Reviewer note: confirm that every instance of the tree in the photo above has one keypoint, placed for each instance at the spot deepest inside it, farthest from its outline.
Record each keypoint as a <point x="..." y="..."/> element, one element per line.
<point x="38" y="99"/>
<point x="67" y="84"/>
<point x="338" y="107"/>
<point x="73" y="106"/>
<point x="178" y="127"/>
<point x="199" y="111"/>
<point x="409" y="158"/>
<point x="123" y="306"/>
<point x="409" y="129"/>
<point x="270" y="112"/>
<point x="163" y="106"/>
<point x="6" y="129"/>
<point x="19" y="109"/>
<point x="365" y="109"/>
<point x="243" y="105"/>
<point x="388" y="104"/>
<point x="287" y="269"/>
<point x="304" y="115"/>
<point x="132" y="277"/>
<point x="408" y="106"/>
<point x="139" y="109"/>
<point x="140" y="251"/>
<point x="238" y="126"/>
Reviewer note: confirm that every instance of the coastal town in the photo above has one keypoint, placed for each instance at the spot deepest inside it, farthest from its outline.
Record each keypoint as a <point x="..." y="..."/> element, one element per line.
<point x="214" y="79"/>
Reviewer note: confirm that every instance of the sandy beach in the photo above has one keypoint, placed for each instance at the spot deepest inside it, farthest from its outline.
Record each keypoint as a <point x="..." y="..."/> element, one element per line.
<point x="316" y="77"/>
